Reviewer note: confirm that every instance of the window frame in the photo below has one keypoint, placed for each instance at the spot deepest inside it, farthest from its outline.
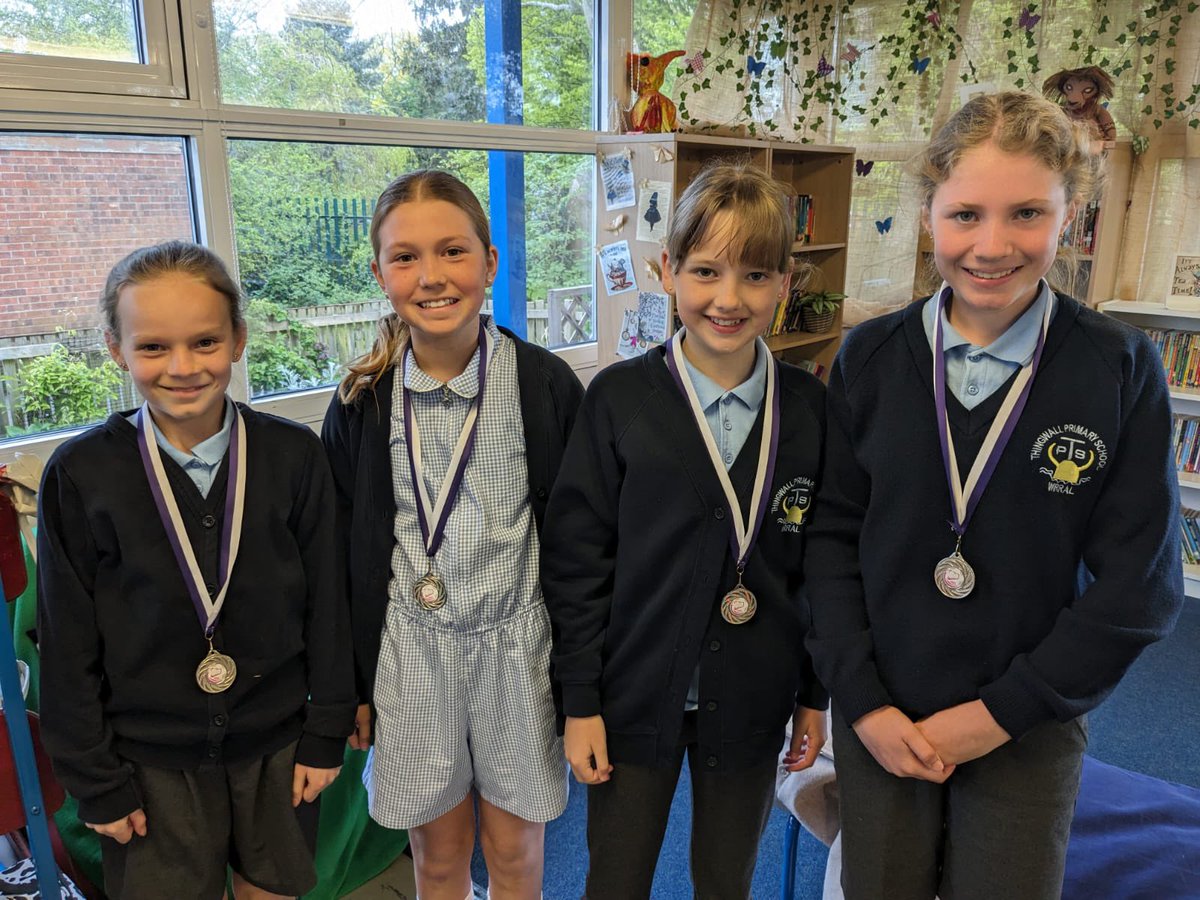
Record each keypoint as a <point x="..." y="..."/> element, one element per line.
<point x="162" y="75"/>
<point x="55" y="94"/>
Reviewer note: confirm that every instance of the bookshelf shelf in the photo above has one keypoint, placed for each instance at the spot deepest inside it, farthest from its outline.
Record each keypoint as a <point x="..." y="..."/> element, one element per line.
<point x="1185" y="401"/>
<point x="789" y="339"/>
<point x="816" y="248"/>
<point x="817" y="177"/>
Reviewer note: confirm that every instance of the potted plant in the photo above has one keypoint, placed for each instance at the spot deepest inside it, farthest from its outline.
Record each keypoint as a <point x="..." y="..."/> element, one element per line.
<point x="818" y="310"/>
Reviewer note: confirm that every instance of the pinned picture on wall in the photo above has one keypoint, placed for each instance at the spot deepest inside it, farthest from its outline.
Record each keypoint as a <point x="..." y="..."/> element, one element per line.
<point x="630" y="342"/>
<point x="654" y="210"/>
<point x="654" y="316"/>
<point x="1185" y="283"/>
<point x="616" y="172"/>
<point x="616" y="266"/>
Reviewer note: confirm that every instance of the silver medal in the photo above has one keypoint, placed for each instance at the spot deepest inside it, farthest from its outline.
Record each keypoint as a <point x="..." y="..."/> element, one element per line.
<point x="430" y="592"/>
<point x="954" y="576"/>
<point x="739" y="605"/>
<point x="216" y="672"/>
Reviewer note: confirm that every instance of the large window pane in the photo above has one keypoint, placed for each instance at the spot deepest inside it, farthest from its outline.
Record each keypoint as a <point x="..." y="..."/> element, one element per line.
<point x="301" y="213"/>
<point x="74" y="205"/>
<point x="660" y="26"/>
<point x="421" y="59"/>
<point x="85" y="29"/>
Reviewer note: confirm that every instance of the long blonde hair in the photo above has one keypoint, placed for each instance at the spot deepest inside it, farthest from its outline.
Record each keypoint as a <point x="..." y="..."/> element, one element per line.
<point x="391" y="333"/>
<point x="1019" y="123"/>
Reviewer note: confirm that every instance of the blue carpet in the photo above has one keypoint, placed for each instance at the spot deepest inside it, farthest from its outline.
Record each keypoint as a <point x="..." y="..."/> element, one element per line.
<point x="1148" y="725"/>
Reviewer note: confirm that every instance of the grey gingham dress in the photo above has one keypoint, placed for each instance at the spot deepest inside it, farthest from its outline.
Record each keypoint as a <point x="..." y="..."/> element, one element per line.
<point x="462" y="693"/>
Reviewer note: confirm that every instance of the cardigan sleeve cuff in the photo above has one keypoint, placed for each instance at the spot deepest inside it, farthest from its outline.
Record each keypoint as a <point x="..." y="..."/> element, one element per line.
<point x="1014" y="708"/>
<point x="861" y="694"/>
<point x="581" y="700"/>
<point x="319" y="752"/>
<point x="812" y="696"/>
<point x="110" y="806"/>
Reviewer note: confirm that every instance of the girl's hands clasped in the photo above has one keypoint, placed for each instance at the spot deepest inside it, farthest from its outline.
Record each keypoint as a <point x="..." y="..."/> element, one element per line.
<point x="899" y="746"/>
<point x="586" y="748"/>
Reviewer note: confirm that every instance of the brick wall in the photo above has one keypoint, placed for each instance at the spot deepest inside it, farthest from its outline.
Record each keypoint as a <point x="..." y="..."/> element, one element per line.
<point x="70" y="207"/>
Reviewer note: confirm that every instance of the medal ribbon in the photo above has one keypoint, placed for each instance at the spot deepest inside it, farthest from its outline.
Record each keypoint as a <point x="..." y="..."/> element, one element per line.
<point x="208" y="610"/>
<point x="439" y="513"/>
<point x="745" y="529"/>
<point x="966" y="497"/>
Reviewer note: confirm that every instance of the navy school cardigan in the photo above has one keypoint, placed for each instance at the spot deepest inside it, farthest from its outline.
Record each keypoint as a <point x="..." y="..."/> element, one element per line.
<point x="636" y="559"/>
<point x="1075" y="542"/>
<point x="356" y="438"/>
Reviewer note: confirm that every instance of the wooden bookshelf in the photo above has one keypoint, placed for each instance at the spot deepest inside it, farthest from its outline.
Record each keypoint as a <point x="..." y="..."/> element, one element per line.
<point x="824" y="173"/>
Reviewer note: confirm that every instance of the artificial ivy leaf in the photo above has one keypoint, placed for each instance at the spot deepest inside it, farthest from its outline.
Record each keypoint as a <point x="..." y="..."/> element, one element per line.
<point x="706" y="84"/>
<point x="1194" y="123"/>
<point x="1012" y="67"/>
<point x="1121" y="38"/>
<point x="1158" y="123"/>
<point x="1012" y="53"/>
<point x="1148" y="58"/>
<point x="1147" y="109"/>
<point x="1020" y="82"/>
<point x="874" y="120"/>
<point x="1074" y="45"/>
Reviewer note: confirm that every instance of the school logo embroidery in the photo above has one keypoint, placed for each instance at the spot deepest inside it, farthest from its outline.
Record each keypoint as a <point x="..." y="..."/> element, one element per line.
<point x="1070" y="455"/>
<point x="793" y="502"/>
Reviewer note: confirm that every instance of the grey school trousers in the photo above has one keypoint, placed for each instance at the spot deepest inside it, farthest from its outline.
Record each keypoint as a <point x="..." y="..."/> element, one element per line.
<point x="996" y="830"/>
<point x="627" y="816"/>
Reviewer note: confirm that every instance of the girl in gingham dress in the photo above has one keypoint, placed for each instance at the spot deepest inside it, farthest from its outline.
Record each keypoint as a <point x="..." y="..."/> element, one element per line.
<point x="444" y="441"/>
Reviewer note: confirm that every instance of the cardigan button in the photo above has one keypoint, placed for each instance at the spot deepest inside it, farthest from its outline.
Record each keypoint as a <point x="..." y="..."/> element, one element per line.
<point x="540" y="493"/>
<point x="208" y="521"/>
<point x="711" y="762"/>
<point x="714" y="646"/>
<point x="719" y="512"/>
<point x="711" y="705"/>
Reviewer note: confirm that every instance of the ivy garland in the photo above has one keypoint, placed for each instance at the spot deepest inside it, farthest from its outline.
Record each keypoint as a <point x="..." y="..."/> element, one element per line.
<point x="797" y="44"/>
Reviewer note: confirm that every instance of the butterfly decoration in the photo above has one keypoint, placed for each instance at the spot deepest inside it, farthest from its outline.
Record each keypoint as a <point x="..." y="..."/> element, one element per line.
<point x="695" y="64"/>
<point x="885" y="226"/>
<point x="824" y="69"/>
<point x="653" y="269"/>
<point x="1028" y="19"/>
<point x="662" y="154"/>
<point x="617" y="224"/>
<point x="851" y="53"/>
<point x="755" y="67"/>
<point x="934" y="19"/>
<point x="863" y="166"/>
<point x="920" y="65"/>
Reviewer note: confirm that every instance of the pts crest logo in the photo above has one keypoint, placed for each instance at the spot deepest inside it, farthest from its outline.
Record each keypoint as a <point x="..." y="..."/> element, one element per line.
<point x="791" y="504"/>
<point x="1070" y="455"/>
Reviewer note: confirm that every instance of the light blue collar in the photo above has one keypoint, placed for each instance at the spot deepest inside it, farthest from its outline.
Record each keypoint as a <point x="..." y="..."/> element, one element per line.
<point x="750" y="392"/>
<point x="209" y="451"/>
<point x="1015" y="346"/>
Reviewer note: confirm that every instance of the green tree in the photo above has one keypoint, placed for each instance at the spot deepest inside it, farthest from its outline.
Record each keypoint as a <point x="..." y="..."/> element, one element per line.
<point x="60" y="390"/>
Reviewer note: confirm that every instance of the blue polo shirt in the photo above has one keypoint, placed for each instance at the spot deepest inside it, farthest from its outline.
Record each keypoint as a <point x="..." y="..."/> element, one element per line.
<point x="974" y="373"/>
<point x="202" y="463"/>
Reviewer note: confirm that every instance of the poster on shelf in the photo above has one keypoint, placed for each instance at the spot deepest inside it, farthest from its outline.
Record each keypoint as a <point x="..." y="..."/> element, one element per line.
<point x="654" y="210"/>
<point x="616" y="171"/>
<point x="1185" y="283"/>
<point x="616" y="265"/>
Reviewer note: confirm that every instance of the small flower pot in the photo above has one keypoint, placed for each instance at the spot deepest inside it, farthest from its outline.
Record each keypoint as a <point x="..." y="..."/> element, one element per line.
<point x="817" y="323"/>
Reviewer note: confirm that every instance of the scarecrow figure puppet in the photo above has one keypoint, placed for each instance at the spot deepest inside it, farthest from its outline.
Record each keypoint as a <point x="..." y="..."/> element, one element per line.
<point x="1080" y="91"/>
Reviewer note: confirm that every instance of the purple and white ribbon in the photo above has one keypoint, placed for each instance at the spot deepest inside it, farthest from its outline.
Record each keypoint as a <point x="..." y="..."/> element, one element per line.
<point x="966" y="496"/>
<point x="745" y="528"/>
<point x="208" y="609"/>
<point x="438" y="513"/>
